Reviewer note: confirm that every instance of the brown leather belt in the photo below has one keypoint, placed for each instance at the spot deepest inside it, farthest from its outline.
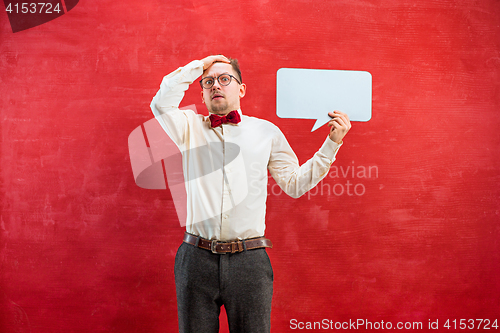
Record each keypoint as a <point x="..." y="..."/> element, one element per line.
<point x="227" y="247"/>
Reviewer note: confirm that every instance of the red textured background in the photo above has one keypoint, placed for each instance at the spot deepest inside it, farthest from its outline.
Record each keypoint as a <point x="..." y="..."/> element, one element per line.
<point x="83" y="249"/>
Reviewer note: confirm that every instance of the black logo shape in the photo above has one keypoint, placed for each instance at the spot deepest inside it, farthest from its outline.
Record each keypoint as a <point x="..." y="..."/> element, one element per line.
<point x="26" y="14"/>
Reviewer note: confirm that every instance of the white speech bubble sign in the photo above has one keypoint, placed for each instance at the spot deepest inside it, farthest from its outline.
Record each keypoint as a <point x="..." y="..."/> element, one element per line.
<point x="312" y="93"/>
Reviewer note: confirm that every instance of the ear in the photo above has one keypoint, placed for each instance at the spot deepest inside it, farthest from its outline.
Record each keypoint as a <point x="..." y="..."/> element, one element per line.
<point x="202" y="99"/>
<point x="243" y="90"/>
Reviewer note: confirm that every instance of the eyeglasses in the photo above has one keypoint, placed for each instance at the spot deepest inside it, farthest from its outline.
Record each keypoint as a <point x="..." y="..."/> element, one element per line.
<point x="224" y="80"/>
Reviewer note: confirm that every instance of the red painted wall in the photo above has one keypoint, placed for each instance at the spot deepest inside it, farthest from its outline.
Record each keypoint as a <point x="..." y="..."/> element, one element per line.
<point x="84" y="249"/>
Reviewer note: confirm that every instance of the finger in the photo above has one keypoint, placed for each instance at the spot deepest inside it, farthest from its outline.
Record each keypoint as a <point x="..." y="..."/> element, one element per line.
<point x="337" y="119"/>
<point x="335" y="128"/>
<point x="338" y="114"/>
<point x="334" y="116"/>
<point x="221" y="58"/>
<point x="340" y="121"/>
<point x="335" y="125"/>
<point x="210" y="60"/>
<point x="344" y="116"/>
<point x="335" y="113"/>
<point x="345" y="120"/>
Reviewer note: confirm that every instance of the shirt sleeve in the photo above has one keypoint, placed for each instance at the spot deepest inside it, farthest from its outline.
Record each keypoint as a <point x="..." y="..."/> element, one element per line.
<point x="165" y="104"/>
<point x="296" y="180"/>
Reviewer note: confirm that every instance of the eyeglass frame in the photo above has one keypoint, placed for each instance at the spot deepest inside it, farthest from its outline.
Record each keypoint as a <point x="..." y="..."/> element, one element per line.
<point x="225" y="85"/>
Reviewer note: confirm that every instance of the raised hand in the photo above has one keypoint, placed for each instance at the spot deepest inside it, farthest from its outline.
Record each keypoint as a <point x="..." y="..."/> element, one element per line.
<point x="208" y="61"/>
<point x="339" y="125"/>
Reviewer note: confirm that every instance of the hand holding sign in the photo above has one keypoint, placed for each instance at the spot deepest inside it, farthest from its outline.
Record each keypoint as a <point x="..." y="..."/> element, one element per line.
<point x="313" y="93"/>
<point x="339" y="126"/>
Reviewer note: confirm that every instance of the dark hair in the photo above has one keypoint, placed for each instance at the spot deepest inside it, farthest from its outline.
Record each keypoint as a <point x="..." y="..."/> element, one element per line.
<point x="236" y="67"/>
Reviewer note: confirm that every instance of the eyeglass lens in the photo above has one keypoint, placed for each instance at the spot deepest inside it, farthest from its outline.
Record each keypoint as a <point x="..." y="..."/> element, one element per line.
<point x="224" y="80"/>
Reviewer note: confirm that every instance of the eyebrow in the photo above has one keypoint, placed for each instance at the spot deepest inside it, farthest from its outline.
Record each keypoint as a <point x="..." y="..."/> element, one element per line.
<point x="217" y="75"/>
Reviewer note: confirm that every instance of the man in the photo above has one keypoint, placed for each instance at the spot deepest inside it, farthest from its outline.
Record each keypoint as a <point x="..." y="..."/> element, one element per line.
<point x="226" y="156"/>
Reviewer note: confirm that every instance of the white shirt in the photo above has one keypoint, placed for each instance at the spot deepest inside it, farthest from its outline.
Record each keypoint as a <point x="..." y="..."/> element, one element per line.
<point x="225" y="168"/>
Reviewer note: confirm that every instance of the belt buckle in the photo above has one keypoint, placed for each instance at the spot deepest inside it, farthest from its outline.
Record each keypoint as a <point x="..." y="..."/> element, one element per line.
<point x="213" y="247"/>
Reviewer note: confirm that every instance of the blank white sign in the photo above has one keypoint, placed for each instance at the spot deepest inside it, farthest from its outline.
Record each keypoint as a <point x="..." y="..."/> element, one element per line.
<point x="312" y="93"/>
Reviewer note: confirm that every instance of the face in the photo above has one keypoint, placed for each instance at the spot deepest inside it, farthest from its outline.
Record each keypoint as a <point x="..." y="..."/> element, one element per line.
<point x="222" y="99"/>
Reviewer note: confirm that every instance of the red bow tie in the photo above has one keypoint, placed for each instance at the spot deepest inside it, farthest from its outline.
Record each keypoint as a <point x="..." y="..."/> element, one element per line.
<point x="231" y="117"/>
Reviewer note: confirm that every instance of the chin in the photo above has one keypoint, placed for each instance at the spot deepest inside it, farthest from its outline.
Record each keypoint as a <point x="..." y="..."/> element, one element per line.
<point x="219" y="109"/>
<point x="220" y="113"/>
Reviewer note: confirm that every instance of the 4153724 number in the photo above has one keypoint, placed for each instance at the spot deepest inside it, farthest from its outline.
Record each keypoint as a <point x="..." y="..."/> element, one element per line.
<point x="463" y="324"/>
<point x="33" y="8"/>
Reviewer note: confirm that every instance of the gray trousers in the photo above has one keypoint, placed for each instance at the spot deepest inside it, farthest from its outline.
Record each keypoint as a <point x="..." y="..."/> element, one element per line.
<point x="242" y="282"/>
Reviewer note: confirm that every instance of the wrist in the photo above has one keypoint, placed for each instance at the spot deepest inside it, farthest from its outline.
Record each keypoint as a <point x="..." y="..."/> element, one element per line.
<point x="336" y="140"/>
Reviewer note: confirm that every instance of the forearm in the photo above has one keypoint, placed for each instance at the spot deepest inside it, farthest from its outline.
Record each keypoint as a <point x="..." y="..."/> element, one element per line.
<point x="296" y="180"/>
<point x="174" y="86"/>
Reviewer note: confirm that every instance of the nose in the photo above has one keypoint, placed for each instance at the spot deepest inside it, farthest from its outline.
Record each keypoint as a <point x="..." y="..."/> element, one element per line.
<point x="216" y="85"/>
